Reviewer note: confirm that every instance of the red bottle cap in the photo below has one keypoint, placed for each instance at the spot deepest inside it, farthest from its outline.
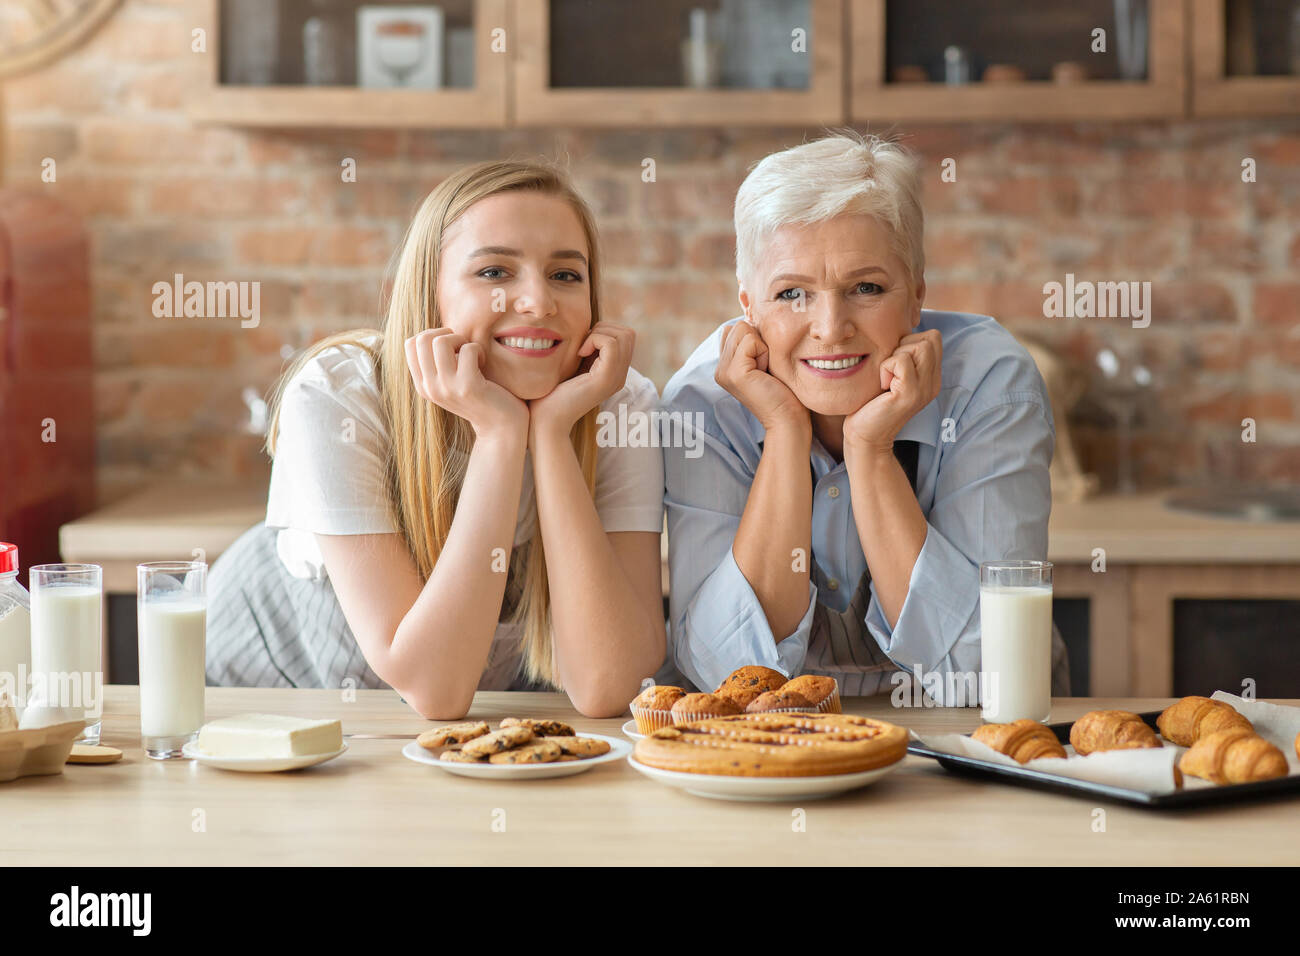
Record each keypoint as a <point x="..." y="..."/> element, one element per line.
<point x="8" y="557"/>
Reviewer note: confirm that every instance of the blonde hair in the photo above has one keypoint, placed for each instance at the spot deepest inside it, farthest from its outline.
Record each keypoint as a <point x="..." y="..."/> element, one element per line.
<point x="429" y="447"/>
<point x="845" y="172"/>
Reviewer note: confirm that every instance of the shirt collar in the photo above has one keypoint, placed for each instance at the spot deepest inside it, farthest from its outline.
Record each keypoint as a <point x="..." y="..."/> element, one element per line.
<point x="922" y="427"/>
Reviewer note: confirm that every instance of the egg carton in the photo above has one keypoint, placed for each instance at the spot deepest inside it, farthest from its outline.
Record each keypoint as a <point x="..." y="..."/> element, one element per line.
<point x="35" y="750"/>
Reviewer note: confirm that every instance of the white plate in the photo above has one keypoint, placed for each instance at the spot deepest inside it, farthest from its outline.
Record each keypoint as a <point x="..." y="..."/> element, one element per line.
<point x="257" y="764"/>
<point x="630" y="729"/>
<point x="762" y="789"/>
<point x="521" y="771"/>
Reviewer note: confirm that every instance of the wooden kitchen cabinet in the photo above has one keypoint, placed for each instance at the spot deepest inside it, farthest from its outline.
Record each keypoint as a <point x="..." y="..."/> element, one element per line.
<point x="620" y="63"/>
<point x="286" y="100"/>
<point x="1218" y="92"/>
<point x="876" y="41"/>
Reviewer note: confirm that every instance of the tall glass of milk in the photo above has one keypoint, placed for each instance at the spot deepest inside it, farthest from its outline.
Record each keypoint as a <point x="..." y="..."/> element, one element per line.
<point x="172" y="609"/>
<point x="67" y="676"/>
<point x="1016" y="640"/>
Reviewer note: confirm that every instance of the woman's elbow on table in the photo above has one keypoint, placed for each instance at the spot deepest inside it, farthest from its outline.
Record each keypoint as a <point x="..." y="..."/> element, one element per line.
<point x="437" y="708"/>
<point x="600" y="707"/>
<point x="418" y="690"/>
<point x="602" y="699"/>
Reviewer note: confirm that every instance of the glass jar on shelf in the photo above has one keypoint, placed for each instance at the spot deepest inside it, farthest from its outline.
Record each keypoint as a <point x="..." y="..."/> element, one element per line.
<point x="329" y="45"/>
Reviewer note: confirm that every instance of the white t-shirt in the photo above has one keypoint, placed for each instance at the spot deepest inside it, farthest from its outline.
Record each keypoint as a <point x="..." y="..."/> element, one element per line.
<point x="328" y="473"/>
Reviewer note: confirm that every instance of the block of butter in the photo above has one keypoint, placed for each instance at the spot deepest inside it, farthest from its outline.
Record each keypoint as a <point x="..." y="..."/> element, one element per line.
<point x="269" y="735"/>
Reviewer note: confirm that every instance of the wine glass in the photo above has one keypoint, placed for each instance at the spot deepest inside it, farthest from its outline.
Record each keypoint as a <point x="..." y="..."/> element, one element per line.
<point x="1122" y="384"/>
<point x="401" y="47"/>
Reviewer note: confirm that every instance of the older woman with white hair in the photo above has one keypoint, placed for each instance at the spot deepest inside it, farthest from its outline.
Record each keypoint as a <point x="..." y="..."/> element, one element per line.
<point x="862" y="455"/>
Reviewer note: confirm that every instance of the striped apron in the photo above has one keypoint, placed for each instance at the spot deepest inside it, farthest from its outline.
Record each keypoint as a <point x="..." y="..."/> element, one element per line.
<point x="268" y="628"/>
<point x="841" y="646"/>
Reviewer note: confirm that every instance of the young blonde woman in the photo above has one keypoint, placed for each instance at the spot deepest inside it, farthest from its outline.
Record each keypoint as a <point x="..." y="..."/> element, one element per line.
<point x="440" y="519"/>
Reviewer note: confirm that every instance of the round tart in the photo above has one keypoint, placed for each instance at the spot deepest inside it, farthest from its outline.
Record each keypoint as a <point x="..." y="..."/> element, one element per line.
<point x="775" y="745"/>
<point x="746" y="683"/>
<point x="652" y="708"/>
<point x="703" y="706"/>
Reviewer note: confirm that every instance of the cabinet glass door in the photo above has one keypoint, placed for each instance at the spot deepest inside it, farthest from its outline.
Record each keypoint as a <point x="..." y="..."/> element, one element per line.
<point x="679" y="62"/>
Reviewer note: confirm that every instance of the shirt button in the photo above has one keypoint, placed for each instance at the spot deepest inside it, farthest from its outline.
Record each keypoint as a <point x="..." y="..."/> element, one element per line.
<point x="834" y="491"/>
<point x="833" y="584"/>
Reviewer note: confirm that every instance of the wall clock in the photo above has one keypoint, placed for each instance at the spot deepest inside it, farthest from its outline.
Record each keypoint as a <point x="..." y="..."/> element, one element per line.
<point x="35" y="32"/>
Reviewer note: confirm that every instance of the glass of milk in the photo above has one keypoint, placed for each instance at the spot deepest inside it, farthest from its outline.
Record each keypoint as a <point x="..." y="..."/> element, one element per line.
<point x="171" y="608"/>
<point x="1016" y="640"/>
<point x="67" y="676"/>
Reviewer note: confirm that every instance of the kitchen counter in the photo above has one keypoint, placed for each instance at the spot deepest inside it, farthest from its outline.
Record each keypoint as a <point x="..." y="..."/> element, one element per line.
<point x="372" y="806"/>
<point x="165" y="521"/>
<point x="170" y="519"/>
<point x="1139" y="529"/>
<point x="1153" y="556"/>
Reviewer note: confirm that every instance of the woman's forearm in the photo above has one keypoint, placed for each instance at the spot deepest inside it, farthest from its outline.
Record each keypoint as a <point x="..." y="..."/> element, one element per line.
<point x="605" y="641"/>
<point x="773" y="546"/>
<point x="891" y="525"/>
<point x="441" y="646"/>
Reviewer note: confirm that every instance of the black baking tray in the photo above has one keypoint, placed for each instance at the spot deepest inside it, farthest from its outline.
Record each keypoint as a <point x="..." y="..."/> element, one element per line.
<point x="1202" y="796"/>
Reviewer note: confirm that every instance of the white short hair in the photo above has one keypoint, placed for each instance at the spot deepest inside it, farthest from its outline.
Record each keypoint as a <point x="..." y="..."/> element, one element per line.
<point x="840" y="173"/>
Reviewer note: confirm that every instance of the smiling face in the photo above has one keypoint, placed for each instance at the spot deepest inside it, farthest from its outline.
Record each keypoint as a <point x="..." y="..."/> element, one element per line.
<point x="513" y="276"/>
<point x="831" y="300"/>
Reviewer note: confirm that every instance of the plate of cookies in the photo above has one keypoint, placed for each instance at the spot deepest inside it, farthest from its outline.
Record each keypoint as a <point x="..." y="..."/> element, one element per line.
<point x="771" y="756"/>
<point x="519" y="748"/>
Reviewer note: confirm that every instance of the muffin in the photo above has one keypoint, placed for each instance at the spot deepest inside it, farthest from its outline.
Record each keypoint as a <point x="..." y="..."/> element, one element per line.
<point x="746" y="683"/>
<point x="652" y="708"/>
<point x="775" y="701"/>
<point x="702" y="706"/>
<point x="823" y="693"/>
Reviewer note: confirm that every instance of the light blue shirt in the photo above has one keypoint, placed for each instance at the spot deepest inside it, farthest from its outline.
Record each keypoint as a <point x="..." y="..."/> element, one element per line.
<point x="985" y="446"/>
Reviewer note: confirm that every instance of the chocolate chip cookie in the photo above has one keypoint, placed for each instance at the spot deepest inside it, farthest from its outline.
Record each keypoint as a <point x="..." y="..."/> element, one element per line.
<point x="498" y="741"/>
<point x="539" y="751"/>
<point x="540" y="728"/>
<point x="459" y="756"/>
<point x="582" y="746"/>
<point x="452" y="734"/>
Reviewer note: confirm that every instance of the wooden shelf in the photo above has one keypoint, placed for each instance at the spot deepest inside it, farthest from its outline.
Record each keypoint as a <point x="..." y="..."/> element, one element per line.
<point x="483" y="106"/>
<point x="1216" y="94"/>
<point x="338" y="106"/>
<point x="873" y="99"/>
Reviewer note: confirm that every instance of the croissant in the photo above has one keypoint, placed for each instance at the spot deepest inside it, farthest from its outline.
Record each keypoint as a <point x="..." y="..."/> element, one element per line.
<point x="1191" y="718"/>
<point x="1235" y="755"/>
<point x="1100" y="730"/>
<point x="1022" y="740"/>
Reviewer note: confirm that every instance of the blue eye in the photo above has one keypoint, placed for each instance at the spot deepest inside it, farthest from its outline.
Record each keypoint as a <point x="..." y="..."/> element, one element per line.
<point x="575" y="277"/>
<point x="791" y="295"/>
<point x="499" y="272"/>
<point x="869" y="288"/>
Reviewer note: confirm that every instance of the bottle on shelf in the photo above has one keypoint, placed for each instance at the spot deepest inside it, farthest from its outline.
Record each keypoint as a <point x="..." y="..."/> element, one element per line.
<point x="15" y="629"/>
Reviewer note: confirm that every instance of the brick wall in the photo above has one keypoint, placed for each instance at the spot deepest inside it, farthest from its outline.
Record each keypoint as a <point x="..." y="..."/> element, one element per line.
<point x="1158" y="202"/>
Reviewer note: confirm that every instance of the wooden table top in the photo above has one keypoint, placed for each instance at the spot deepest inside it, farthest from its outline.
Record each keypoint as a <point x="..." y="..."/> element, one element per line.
<point x="372" y="806"/>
